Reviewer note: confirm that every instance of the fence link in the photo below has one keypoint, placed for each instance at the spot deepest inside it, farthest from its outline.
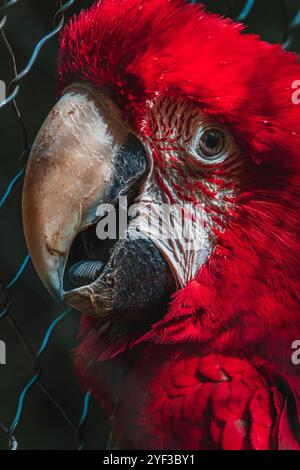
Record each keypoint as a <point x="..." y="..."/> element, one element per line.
<point x="241" y="11"/>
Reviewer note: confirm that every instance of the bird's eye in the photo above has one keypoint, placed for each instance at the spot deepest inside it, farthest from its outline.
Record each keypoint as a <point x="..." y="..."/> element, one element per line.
<point x="211" y="143"/>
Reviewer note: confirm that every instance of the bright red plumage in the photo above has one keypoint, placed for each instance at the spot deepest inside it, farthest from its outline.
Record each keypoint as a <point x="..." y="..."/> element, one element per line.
<point x="229" y="332"/>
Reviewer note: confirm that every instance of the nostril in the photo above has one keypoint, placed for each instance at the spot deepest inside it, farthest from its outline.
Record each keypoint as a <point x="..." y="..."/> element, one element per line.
<point x="85" y="272"/>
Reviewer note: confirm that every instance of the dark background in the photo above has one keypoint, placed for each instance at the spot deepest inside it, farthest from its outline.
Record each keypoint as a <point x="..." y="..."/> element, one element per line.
<point x="42" y="426"/>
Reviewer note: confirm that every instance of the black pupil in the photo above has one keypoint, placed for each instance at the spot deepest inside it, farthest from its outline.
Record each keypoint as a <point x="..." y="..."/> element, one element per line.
<point x="212" y="140"/>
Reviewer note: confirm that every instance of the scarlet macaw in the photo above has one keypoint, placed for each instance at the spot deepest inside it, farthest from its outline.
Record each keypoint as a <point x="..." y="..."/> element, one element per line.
<point x="170" y="104"/>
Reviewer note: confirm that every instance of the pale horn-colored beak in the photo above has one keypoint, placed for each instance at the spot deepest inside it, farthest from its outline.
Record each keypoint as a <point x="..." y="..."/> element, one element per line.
<point x="71" y="171"/>
<point x="84" y="156"/>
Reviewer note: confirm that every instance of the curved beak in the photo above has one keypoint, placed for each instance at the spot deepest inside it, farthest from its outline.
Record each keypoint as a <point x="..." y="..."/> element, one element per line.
<point x="70" y="173"/>
<point x="84" y="156"/>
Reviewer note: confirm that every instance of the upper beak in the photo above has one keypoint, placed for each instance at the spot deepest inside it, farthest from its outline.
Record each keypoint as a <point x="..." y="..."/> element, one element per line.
<point x="70" y="173"/>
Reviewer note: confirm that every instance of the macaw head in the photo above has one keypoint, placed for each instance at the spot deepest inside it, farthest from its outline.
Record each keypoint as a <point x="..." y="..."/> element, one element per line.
<point x="171" y="107"/>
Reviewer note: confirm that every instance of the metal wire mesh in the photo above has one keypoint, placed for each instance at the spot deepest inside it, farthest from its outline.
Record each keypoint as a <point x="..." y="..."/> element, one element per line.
<point x="240" y="10"/>
<point x="5" y="304"/>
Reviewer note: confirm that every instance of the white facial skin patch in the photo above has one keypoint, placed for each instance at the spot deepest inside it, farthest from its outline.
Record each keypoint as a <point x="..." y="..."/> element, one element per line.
<point x="188" y="181"/>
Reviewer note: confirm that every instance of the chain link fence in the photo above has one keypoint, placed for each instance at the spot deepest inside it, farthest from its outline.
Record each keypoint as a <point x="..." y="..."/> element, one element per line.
<point x="41" y="404"/>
